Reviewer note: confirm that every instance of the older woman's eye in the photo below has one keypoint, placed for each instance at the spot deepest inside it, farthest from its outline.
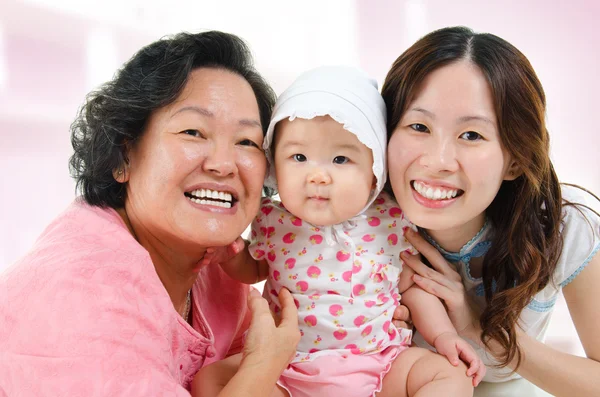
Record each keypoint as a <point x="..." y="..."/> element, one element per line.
<point x="249" y="142"/>
<point x="419" y="127"/>
<point x="299" y="157"/>
<point x="471" y="136"/>
<point x="340" y="160"/>
<point x="191" y="132"/>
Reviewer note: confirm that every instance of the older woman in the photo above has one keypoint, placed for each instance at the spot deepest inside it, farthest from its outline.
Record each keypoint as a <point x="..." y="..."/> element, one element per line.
<point x="114" y="297"/>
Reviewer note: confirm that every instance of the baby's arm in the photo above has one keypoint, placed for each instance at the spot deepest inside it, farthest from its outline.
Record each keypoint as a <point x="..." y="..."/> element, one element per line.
<point x="431" y="320"/>
<point x="244" y="268"/>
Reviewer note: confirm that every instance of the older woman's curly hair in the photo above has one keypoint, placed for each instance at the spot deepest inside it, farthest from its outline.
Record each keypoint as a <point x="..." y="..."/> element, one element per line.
<point x="115" y="115"/>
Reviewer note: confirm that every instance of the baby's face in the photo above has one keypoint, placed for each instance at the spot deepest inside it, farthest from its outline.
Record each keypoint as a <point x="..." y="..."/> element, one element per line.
<point x="324" y="173"/>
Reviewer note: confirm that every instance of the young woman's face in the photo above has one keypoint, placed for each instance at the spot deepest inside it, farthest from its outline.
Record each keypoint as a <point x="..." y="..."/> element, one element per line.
<point x="324" y="173"/>
<point x="446" y="161"/>
<point x="196" y="175"/>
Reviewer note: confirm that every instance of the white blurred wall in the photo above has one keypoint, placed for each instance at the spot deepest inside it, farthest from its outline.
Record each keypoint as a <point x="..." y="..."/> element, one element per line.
<point x="52" y="52"/>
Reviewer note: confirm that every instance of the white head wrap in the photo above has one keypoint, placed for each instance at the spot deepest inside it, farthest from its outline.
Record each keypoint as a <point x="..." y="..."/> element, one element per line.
<point x="347" y="95"/>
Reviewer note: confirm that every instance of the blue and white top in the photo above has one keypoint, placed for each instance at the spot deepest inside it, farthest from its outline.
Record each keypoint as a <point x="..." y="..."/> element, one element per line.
<point x="581" y="241"/>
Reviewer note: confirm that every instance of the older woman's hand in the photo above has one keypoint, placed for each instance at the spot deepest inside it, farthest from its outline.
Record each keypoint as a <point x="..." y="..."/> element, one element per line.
<point x="269" y="344"/>
<point x="444" y="282"/>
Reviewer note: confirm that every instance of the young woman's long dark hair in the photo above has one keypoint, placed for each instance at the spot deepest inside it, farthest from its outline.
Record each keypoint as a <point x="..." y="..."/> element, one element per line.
<point x="526" y="212"/>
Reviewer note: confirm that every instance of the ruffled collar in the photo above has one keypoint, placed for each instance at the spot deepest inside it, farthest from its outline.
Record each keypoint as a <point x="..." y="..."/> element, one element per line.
<point x="476" y="247"/>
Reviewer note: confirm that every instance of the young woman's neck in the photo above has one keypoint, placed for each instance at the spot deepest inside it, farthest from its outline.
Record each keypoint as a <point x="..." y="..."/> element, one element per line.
<point x="453" y="239"/>
<point x="176" y="270"/>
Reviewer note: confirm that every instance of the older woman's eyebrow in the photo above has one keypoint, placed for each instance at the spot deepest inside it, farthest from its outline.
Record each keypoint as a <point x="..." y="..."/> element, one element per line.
<point x="208" y="113"/>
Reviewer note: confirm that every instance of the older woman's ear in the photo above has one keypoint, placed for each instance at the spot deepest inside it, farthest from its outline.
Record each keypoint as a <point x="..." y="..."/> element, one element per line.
<point x="121" y="174"/>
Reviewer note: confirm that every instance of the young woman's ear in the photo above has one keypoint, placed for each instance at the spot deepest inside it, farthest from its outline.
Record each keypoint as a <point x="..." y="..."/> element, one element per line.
<point x="513" y="172"/>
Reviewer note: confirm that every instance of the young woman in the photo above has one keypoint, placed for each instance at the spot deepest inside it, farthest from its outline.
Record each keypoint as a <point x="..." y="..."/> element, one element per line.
<point x="469" y="163"/>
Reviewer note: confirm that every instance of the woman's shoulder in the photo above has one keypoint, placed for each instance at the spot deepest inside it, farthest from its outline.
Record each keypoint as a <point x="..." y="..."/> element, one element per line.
<point x="580" y="231"/>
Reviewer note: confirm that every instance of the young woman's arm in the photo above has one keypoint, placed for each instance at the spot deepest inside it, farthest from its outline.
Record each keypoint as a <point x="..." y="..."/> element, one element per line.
<point x="559" y="373"/>
<point x="562" y="374"/>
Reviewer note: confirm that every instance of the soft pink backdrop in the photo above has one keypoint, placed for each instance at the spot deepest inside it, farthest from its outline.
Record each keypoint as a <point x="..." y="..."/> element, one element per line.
<point x="53" y="52"/>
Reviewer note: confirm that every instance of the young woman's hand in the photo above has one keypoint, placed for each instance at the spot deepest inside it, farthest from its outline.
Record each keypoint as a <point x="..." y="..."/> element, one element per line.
<point x="271" y="345"/>
<point x="401" y="317"/>
<point x="444" y="282"/>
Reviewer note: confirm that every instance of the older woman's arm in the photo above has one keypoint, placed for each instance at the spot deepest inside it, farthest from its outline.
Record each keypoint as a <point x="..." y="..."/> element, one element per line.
<point x="268" y="349"/>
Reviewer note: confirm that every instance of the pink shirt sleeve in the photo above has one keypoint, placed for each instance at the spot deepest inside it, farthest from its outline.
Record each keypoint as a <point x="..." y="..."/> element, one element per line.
<point x="84" y="314"/>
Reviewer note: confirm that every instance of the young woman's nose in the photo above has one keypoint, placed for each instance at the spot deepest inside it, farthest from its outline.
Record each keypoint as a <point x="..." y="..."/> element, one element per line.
<point x="319" y="175"/>
<point x="220" y="159"/>
<point x="440" y="155"/>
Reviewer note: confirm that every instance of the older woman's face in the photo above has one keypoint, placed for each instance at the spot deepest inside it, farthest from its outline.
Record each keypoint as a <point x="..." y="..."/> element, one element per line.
<point x="196" y="175"/>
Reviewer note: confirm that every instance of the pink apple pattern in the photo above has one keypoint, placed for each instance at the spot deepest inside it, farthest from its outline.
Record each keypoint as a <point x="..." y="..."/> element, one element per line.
<point x="343" y="281"/>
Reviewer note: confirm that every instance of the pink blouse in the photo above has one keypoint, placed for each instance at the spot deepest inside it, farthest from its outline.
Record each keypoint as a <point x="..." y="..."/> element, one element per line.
<point x="84" y="313"/>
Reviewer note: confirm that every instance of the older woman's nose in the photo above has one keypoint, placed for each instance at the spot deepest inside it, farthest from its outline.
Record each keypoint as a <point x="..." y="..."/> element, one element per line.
<point x="221" y="160"/>
<point x="440" y="156"/>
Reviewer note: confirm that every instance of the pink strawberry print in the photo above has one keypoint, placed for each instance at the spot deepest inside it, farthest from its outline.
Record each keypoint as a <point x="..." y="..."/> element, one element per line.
<point x="313" y="272"/>
<point x="301" y="286"/>
<point x="347" y="276"/>
<point x="360" y="320"/>
<point x="289" y="238"/>
<point x="276" y="275"/>
<point x="392" y="239"/>
<point x="379" y="201"/>
<point x="386" y="326"/>
<point x="353" y="348"/>
<point x="356" y="267"/>
<point x="366" y="331"/>
<point x="331" y="292"/>
<point x="340" y="334"/>
<point x="336" y="310"/>
<point x="316" y="239"/>
<point x="370" y="303"/>
<point x="374" y="221"/>
<point x="382" y="298"/>
<point x="310" y="320"/>
<point x="314" y="350"/>
<point x="270" y="231"/>
<point x="358" y="289"/>
<point x="266" y="210"/>
<point x="259" y="254"/>
<point x="342" y="256"/>
<point x="395" y="212"/>
<point x="296" y="221"/>
<point x="290" y="263"/>
<point x="271" y="256"/>
<point x="368" y="237"/>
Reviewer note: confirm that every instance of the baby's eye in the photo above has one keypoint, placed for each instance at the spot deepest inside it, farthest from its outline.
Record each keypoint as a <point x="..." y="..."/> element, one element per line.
<point x="299" y="157"/>
<point x="340" y="160"/>
<point x="419" y="127"/>
<point x="249" y="142"/>
<point x="471" y="136"/>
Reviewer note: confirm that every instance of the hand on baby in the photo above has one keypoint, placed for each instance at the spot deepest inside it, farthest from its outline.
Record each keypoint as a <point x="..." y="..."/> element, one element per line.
<point x="217" y="255"/>
<point x="456" y="349"/>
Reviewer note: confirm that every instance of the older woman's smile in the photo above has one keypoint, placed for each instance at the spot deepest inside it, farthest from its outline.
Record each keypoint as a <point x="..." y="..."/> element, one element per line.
<point x="217" y="198"/>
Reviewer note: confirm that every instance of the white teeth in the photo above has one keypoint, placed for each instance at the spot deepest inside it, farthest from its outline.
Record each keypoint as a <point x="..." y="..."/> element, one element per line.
<point x="434" y="193"/>
<point x="207" y="197"/>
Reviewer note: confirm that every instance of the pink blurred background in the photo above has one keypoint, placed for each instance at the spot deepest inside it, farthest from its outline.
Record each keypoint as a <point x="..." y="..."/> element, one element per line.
<point x="53" y="52"/>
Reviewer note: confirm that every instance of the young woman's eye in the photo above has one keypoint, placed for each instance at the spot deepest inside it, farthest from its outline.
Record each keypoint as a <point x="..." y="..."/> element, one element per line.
<point x="471" y="136"/>
<point x="191" y="132"/>
<point x="340" y="160"/>
<point x="419" y="127"/>
<point x="249" y="142"/>
<point x="299" y="157"/>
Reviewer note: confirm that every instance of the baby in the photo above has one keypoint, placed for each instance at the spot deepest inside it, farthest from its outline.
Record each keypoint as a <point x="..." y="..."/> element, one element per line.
<point x="334" y="240"/>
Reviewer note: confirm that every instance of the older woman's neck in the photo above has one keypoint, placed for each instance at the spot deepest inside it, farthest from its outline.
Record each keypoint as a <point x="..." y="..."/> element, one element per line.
<point x="176" y="265"/>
